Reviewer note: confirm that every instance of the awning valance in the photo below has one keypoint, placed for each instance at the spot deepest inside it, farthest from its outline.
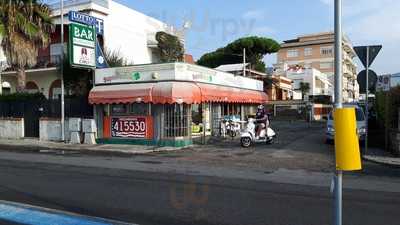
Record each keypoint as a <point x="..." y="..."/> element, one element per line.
<point x="121" y="94"/>
<point x="176" y="92"/>
<point x="173" y="92"/>
<point x="215" y="93"/>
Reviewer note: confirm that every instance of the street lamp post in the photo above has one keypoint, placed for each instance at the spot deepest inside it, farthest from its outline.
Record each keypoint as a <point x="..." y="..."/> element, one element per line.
<point x="62" y="71"/>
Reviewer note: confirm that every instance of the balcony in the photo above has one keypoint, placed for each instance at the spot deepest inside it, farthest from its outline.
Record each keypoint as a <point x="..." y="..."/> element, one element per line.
<point x="43" y="62"/>
<point x="55" y="4"/>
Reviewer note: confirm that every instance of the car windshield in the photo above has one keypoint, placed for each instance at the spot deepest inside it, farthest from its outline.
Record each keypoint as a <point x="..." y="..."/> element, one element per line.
<point x="359" y="115"/>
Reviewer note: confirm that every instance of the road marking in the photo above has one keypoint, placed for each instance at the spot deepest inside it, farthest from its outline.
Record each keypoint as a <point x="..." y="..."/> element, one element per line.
<point x="32" y="215"/>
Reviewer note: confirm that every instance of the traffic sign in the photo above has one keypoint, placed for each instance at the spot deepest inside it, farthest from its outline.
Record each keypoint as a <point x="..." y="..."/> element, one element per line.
<point x="372" y="51"/>
<point x="82" y="45"/>
<point x="383" y="83"/>
<point x="372" y="79"/>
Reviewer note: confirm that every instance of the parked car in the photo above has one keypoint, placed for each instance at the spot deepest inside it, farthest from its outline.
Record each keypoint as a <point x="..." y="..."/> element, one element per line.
<point x="361" y="124"/>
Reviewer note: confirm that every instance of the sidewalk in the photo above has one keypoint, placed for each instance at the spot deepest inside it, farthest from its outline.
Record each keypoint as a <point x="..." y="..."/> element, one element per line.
<point x="382" y="157"/>
<point x="35" y="145"/>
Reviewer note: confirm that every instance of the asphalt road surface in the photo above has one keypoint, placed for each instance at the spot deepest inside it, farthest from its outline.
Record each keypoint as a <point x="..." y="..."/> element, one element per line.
<point x="150" y="198"/>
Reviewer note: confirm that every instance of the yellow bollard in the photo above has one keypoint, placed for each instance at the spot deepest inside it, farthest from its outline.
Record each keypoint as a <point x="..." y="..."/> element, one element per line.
<point x="347" y="148"/>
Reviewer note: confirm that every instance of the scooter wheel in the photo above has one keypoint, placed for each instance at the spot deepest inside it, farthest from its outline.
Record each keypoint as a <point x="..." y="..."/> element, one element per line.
<point x="245" y="142"/>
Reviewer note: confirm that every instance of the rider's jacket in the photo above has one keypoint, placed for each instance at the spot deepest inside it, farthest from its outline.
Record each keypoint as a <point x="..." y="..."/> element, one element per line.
<point x="261" y="116"/>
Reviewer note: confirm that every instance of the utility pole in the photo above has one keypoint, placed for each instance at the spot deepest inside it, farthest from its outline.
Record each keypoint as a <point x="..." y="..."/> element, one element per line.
<point x="244" y="62"/>
<point x="62" y="71"/>
<point x="338" y="103"/>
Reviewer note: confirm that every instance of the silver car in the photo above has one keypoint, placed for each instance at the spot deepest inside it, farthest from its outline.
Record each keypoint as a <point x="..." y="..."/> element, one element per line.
<point x="361" y="124"/>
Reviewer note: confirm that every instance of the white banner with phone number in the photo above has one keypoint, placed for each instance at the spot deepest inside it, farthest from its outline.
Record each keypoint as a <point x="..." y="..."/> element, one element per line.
<point x="129" y="127"/>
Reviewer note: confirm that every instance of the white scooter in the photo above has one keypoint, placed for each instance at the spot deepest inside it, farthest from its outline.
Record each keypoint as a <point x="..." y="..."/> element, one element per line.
<point x="248" y="136"/>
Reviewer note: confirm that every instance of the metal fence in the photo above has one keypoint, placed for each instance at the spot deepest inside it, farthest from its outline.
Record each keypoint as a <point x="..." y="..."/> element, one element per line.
<point x="74" y="107"/>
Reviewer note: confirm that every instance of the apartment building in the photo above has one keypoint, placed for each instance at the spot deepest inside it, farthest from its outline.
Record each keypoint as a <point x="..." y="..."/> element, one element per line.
<point x="316" y="51"/>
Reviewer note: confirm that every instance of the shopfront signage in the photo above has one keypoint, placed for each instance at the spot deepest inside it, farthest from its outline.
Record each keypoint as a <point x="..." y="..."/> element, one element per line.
<point x="82" y="18"/>
<point x="174" y="72"/>
<point x="82" y="45"/>
<point x="130" y="127"/>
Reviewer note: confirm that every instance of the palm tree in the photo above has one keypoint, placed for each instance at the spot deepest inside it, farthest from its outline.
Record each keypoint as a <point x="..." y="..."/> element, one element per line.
<point x="25" y="27"/>
<point x="304" y="88"/>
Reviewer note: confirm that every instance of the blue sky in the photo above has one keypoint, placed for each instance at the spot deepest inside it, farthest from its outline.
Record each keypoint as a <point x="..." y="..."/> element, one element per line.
<point x="217" y="22"/>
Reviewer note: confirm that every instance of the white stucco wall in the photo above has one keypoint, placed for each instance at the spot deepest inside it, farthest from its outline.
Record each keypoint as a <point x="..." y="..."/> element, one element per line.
<point x="43" y="79"/>
<point x="12" y="128"/>
<point x="50" y="130"/>
<point x="127" y="30"/>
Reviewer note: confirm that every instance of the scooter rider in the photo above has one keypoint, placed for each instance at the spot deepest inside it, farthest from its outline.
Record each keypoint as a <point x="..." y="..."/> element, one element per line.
<point x="261" y="120"/>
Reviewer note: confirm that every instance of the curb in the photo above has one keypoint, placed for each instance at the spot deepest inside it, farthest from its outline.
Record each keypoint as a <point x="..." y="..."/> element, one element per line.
<point x="381" y="163"/>
<point x="77" y="149"/>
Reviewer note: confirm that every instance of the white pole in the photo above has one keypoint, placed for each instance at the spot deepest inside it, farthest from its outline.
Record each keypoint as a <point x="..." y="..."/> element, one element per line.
<point x="62" y="71"/>
<point x="338" y="102"/>
<point x="366" y="103"/>
<point x="244" y="62"/>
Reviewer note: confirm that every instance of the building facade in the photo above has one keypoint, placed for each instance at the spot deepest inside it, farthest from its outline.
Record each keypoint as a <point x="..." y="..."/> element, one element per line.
<point x="319" y="82"/>
<point x="155" y="106"/>
<point x="277" y="87"/>
<point x="119" y="28"/>
<point x="316" y="51"/>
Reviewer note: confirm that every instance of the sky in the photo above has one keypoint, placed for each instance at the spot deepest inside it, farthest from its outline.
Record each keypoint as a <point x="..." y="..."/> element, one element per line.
<point x="215" y="23"/>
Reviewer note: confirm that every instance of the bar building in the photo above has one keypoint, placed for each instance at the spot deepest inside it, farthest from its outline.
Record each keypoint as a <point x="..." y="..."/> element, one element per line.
<point x="156" y="104"/>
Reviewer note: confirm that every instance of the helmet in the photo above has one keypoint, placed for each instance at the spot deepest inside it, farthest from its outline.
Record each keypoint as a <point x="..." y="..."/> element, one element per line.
<point x="260" y="107"/>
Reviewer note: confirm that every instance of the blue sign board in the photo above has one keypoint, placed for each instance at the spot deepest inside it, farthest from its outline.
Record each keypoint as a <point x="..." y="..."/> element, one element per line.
<point x="88" y="20"/>
<point x="101" y="61"/>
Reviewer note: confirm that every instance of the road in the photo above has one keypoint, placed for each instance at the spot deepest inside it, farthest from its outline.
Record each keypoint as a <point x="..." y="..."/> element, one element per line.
<point x="160" y="198"/>
<point x="175" y="188"/>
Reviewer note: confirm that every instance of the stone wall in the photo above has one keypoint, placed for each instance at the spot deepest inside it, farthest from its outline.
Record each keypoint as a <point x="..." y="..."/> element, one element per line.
<point x="12" y="128"/>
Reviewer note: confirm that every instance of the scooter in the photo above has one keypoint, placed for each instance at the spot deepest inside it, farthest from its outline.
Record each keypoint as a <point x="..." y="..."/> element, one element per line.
<point x="248" y="136"/>
<point x="232" y="128"/>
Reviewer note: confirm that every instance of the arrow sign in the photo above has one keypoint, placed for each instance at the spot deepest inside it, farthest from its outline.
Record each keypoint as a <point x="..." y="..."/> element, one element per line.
<point x="372" y="80"/>
<point x="361" y="52"/>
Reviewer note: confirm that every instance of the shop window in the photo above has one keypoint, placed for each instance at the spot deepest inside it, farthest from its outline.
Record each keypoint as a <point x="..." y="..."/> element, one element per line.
<point x="139" y="109"/>
<point x="120" y="109"/>
<point x="177" y="120"/>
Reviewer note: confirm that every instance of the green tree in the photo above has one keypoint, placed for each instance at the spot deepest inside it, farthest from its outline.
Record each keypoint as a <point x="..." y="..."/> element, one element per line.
<point x="170" y="47"/>
<point x="304" y="88"/>
<point x="25" y="27"/>
<point x="114" y="58"/>
<point x="256" y="49"/>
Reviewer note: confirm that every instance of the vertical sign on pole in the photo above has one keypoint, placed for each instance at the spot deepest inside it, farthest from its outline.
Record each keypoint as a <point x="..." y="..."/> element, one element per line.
<point x="82" y="39"/>
<point x="367" y="55"/>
